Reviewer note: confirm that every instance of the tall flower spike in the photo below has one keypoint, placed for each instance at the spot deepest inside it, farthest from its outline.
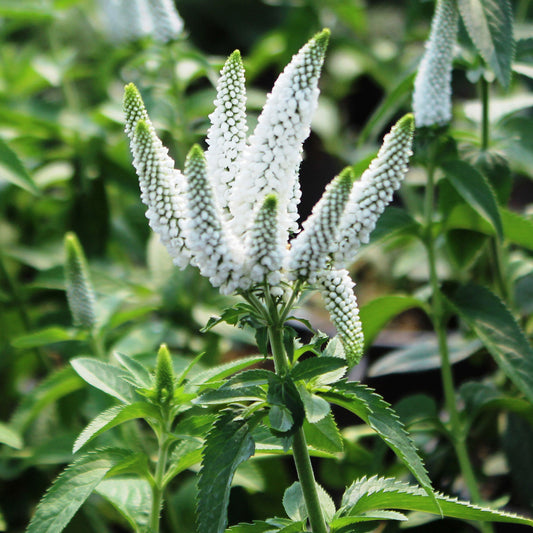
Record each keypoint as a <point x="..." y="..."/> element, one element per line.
<point x="166" y="21"/>
<point x="336" y="288"/>
<point x="226" y="137"/>
<point x="271" y="160"/>
<point x="162" y="186"/>
<point x="80" y="294"/>
<point x="266" y="251"/>
<point x="432" y="95"/>
<point x="211" y="249"/>
<point x="312" y="248"/>
<point x="371" y="194"/>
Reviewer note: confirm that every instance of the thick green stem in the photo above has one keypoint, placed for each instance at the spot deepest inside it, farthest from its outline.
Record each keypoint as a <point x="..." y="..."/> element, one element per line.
<point x="299" y="444"/>
<point x="458" y="436"/>
<point x="485" y="119"/>
<point x="158" y="485"/>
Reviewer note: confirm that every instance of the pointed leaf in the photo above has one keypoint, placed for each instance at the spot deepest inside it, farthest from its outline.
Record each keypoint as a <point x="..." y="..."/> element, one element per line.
<point x="475" y="190"/>
<point x="11" y="169"/>
<point x="45" y="336"/>
<point x="294" y="503"/>
<point x="316" y="366"/>
<point x="103" y="376"/>
<point x="378" y="414"/>
<point x="227" y="445"/>
<point x="73" y="486"/>
<point x="497" y="328"/>
<point x="256" y="527"/>
<point x="10" y="437"/>
<point x="324" y="435"/>
<point x="140" y="374"/>
<point x="315" y="407"/>
<point x="187" y="453"/>
<point x="131" y="497"/>
<point x="222" y="371"/>
<point x="490" y="26"/>
<point x="385" y="493"/>
<point x="113" y="417"/>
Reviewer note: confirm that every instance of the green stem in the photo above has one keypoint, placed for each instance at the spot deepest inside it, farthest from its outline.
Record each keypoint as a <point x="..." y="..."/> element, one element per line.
<point x="299" y="444"/>
<point x="458" y="436"/>
<point x="485" y="119"/>
<point x="158" y="485"/>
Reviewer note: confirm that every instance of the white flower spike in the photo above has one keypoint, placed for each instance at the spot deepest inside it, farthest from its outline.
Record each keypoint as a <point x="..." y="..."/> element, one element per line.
<point x="432" y="96"/>
<point x="231" y="213"/>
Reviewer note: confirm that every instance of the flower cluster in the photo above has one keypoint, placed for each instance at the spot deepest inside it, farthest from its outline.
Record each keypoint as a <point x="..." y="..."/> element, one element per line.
<point x="432" y="103"/>
<point x="128" y="20"/>
<point x="233" y="211"/>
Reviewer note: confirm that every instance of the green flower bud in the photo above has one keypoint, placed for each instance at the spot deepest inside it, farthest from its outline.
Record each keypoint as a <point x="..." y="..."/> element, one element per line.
<point x="164" y="376"/>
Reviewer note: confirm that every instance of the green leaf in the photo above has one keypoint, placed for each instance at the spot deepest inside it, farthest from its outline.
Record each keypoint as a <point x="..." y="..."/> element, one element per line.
<point x="324" y="435"/>
<point x="377" y="413"/>
<point x="113" y="417"/>
<point x="227" y="394"/>
<point x="517" y="228"/>
<point x="256" y="527"/>
<point x="138" y="372"/>
<point x="423" y="355"/>
<point x="395" y="222"/>
<point x="227" y="445"/>
<point x="26" y="9"/>
<point x="475" y="190"/>
<point x="108" y="378"/>
<point x="464" y="246"/>
<point x="44" y="337"/>
<point x="12" y="170"/>
<point x="368" y="494"/>
<point x="55" y="386"/>
<point x="377" y="313"/>
<point x="186" y="454"/>
<point x="220" y="372"/>
<point x="497" y="328"/>
<point x="294" y="503"/>
<point x="73" y="486"/>
<point x="490" y="26"/>
<point x="285" y="400"/>
<point x="315" y="407"/>
<point x="316" y="366"/>
<point x="131" y="497"/>
<point x="10" y="437"/>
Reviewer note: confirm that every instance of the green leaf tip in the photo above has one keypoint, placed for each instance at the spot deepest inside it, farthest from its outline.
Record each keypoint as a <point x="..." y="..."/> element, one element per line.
<point x="164" y="375"/>
<point x="346" y="176"/>
<point x="196" y="153"/>
<point x="235" y="57"/>
<point x="407" y="122"/>
<point x="322" y="38"/>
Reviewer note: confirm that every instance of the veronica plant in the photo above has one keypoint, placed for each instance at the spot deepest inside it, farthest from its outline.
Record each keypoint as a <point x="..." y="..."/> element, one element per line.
<point x="232" y="213"/>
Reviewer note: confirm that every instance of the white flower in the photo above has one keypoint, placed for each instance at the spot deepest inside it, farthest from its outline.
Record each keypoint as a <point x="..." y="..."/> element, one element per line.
<point x="432" y="95"/>
<point x="128" y="20"/>
<point x="373" y="192"/>
<point x="312" y="248"/>
<point x="336" y="288"/>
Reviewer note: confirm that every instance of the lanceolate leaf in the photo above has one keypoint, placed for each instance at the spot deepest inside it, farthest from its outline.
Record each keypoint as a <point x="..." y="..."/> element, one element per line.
<point x="103" y="376"/>
<point x="131" y="497"/>
<point x="496" y="327"/>
<point x="73" y="487"/>
<point x="10" y="437"/>
<point x="113" y="417"/>
<point x="324" y="435"/>
<point x="316" y="366"/>
<point x="138" y="372"/>
<point x="377" y="413"/>
<point x="490" y="26"/>
<point x="367" y="494"/>
<point x="228" y="444"/>
<point x="11" y="169"/>
<point x="476" y="190"/>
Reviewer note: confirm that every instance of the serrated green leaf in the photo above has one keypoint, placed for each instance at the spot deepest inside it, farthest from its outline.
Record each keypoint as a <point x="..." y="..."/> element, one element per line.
<point x="225" y="394"/>
<point x="464" y="246"/>
<point x="316" y="366"/>
<point x="497" y="328"/>
<point x="10" y="437"/>
<point x="395" y="222"/>
<point x="423" y="355"/>
<point x="44" y="337"/>
<point x="475" y="190"/>
<point x="73" y="486"/>
<point x="294" y="503"/>
<point x="55" y="386"/>
<point x="368" y="494"/>
<point x="138" y="372"/>
<point x="315" y="407"/>
<point x="222" y="371"/>
<point x="490" y="26"/>
<point x="339" y="524"/>
<point x="255" y="527"/>
<point x="113" y="417"/>
<point x="287" y="406"/>
<point x="377" y="313"/>
<point x="378" y="414"/>
<point x="11" y="168"/>
<point x="227" y="445"/>
<point x="324" y="435"/>
<point x="106" y="377"/>
<point x="186" y="453"/>
<point x="131" y="497"/>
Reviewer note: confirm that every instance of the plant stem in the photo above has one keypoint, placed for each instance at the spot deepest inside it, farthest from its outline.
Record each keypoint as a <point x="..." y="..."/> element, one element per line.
<point x="158" y="486"/>
<point x="458" y="436"/>
<point x="485" y="129"/>
<point x="299" y="444"/>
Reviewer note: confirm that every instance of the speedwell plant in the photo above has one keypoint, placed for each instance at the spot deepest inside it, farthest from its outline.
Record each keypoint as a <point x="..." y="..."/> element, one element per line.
<point x="232" y="213"/>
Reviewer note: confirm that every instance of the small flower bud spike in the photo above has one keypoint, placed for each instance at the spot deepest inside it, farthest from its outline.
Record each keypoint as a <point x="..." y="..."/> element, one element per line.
<point x="432" y="97"/>
<point x="164" y="376"/>
<point x="80" y="294"/>
<point x="373" y="192"/>
<point x="312" y="248"/>
<point x="336" y="288"/>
